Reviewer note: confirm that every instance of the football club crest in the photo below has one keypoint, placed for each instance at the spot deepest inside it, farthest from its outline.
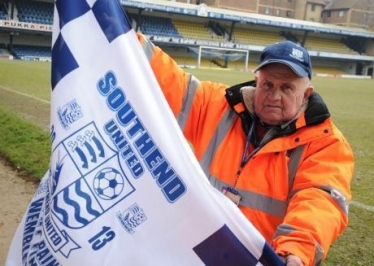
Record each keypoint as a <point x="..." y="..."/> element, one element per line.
<point x="100" y="182"/>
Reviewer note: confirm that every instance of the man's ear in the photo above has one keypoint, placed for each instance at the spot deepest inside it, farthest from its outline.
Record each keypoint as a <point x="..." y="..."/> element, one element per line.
<point x="308" y="92"/>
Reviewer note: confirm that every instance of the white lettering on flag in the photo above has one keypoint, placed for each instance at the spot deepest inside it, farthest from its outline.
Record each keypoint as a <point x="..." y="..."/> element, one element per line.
<point x="123" y="185"/>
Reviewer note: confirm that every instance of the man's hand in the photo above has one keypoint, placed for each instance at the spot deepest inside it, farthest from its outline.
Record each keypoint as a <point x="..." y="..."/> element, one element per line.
<point x="292" y="260"/>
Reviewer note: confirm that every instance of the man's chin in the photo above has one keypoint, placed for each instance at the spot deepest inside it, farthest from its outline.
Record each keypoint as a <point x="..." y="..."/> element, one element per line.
<point x="271" y="121"/>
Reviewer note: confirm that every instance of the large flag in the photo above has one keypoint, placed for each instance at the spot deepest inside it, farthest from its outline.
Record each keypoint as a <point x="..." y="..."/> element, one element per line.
<point x="123" y="186"/>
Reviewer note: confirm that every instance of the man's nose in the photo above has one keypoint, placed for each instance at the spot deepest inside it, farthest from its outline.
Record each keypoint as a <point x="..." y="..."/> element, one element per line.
<point x="275" y="94"/>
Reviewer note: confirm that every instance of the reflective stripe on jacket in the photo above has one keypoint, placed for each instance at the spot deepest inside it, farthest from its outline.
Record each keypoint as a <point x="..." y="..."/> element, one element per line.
<point x="300" y="213"/>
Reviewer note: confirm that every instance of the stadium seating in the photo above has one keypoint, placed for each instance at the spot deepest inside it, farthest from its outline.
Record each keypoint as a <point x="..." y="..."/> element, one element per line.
<point x="35" y="12"/>
<point x="157" y="26"/>
<point x="180" y="27"/>
<point x="3" y="10"/>
<point x="327" y="45"/>
<point x="255" y="37"/>
<point x="194" y="30"/>
<point x="23" y="51"/>
<point x="3" y="15"/>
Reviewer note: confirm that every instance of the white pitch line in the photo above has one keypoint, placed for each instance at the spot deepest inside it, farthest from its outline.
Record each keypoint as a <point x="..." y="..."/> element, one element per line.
<point x="25" y="94"/>
<point x="363" y="206"/>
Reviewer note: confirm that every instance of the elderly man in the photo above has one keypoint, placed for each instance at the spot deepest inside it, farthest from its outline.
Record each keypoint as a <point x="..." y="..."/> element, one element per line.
<point x="270" y="146"/>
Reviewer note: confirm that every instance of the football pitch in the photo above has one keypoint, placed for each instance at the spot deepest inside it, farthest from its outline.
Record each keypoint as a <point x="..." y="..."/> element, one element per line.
<point x="24" y="107"/>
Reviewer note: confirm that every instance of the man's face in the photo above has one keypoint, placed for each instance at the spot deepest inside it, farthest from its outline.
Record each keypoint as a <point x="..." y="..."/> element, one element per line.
<point x="279" y="94"/>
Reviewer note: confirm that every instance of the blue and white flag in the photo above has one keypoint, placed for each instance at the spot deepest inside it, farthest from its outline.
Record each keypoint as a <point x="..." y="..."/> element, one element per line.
<point x="123" y="187"/>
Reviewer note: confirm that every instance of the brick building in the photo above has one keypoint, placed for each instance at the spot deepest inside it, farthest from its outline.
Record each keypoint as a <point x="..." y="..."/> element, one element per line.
<point x="347" y="13"/>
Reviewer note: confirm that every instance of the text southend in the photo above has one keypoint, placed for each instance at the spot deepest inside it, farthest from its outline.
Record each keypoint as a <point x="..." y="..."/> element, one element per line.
<point x="170" y="183"/>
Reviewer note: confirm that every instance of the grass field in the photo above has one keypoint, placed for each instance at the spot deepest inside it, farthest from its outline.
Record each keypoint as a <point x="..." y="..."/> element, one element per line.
<point x="25" y="92"/>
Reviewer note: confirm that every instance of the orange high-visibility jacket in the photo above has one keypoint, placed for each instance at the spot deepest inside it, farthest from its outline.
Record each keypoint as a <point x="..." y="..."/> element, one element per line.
<point x="301" y="208"/>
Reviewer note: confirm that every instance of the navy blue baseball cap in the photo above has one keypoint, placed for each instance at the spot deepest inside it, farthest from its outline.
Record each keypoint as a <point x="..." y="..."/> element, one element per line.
<point x="289" y="53"/>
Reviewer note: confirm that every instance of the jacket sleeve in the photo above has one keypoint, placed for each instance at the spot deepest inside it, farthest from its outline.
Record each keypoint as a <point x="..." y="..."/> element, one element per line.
<point x="172" y="79"/>
<point x="318" y="208"/>
<point x="193" y="103"/>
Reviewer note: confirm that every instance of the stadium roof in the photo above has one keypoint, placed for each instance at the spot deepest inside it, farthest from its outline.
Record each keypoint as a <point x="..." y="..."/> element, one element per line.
<point x="341" y="4"/>
<point x="318" y="2"/>
<point x="245" y="17"/>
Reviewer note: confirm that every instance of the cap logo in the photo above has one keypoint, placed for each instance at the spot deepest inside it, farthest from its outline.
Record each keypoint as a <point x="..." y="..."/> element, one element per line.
<point x="297" y="54"/>
<point x="289" y="53"/>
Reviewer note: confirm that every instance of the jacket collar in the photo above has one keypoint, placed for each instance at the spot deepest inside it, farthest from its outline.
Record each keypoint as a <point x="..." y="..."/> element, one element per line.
<point x="241" y="96"/>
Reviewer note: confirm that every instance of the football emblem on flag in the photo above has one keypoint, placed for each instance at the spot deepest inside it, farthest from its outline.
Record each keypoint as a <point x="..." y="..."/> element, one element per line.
<point x="108" y="183"/>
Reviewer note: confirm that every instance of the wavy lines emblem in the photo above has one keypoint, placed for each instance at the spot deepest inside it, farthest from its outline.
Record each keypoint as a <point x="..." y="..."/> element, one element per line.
<point x="75" y="206"/>
<point x="87" y="148"/>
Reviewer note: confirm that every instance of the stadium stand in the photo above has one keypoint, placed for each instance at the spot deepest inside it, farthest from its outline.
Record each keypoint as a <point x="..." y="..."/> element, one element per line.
<point x="255" y="37"/>
<point x="195" y="30"/>
<point x="35" y="12"/>
<point x="26" y="51"/>
<point x="182" y="34"/>
<point x="327" y="45"/>
<point x="158" y="26"/>
<point x="3" y="9"/>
